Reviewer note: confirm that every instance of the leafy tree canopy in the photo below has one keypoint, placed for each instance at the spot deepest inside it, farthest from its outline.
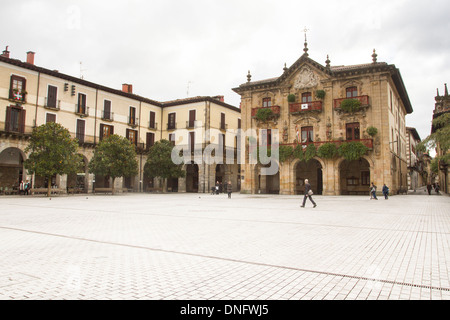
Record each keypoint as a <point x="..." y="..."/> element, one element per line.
<point x="159" y="162"/>
<point x="440" y="136"/>
<point x="115" y="157"/>
<point x="52" y="151"/>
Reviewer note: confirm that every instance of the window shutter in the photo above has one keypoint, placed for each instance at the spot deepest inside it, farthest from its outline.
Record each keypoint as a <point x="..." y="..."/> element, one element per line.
<point x="152" y="119"/>
<point x="22" y="121"/>
<point x="8" y="119"/>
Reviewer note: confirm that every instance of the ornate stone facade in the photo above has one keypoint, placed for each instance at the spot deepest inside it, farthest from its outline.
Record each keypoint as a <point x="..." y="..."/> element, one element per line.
<point x="310" y="104"/>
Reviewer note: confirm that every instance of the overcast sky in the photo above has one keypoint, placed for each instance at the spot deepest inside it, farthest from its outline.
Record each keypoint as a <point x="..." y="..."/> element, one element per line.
<point x="171" y="49"/>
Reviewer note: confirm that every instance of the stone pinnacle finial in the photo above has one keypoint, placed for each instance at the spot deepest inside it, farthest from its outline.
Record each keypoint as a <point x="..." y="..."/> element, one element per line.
<point x="285" y="68"/>
<point x="374" y="56"/>
<point x="249" y="76"/>
<point x="446" y="90"/>
<point x="305" y="49"/>
<point x="327" y="62"/>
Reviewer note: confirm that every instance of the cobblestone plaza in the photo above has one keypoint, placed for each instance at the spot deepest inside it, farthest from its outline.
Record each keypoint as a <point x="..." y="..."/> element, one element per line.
<point x="201" y="247"/>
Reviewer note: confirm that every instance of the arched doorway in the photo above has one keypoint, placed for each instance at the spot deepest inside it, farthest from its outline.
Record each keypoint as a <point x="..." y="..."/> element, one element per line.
<point x="11" y="169"/>
<point x="191" y="177"/>
<point x="269" y="184"/>
<point x="77" y="182"/>
<point x="354" y="177"/>
<point x="311" y="170"/>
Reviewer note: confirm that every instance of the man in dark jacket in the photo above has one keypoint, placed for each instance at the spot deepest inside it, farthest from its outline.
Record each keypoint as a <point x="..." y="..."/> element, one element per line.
<point x="229" y="189"/>
<point x="308" y="193"/>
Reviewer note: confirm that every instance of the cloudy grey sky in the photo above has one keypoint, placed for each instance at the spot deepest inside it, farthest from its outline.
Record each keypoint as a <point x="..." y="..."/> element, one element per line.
<point x="171" y="49"/>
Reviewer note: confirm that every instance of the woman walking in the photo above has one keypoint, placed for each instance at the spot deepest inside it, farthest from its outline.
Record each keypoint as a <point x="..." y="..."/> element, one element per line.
<point x="308" y="194"/>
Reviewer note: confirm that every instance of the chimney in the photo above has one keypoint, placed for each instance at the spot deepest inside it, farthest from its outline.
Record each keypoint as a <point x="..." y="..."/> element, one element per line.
<point x="220" y="98"/>
<point x="128" y="88"/>
<point x="30" y="57"/>
<point x="5" y="53"/>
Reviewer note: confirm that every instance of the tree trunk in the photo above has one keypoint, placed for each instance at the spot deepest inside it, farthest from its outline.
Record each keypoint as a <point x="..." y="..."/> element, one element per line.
<point x="113" y="185"/>
<point x="49" y="186"/>
<point x="164" y="187"/>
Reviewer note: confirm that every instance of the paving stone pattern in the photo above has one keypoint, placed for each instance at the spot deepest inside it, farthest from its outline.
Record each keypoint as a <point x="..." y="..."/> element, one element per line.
<point x="201" y="246"/>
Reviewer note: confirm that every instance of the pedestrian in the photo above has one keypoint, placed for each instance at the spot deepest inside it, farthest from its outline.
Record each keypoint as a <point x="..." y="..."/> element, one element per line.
<point x="229" y="189"/>
<point x="21" y="187"/>
<point x="217" y="187"/>
<point x="27" y="187"/>
<point x="308" y="194"/>
<point x="385" y="191"/>
<point x="373" y="192"/>
<point x="437" y="188"/>
<point x="429" y="188"/>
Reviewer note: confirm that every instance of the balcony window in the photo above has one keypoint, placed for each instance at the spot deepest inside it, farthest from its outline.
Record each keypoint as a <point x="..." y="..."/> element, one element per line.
<point x="267" y="102"/>
<point x="81" y="106"/>
<point x="307" y="134"/>
<point x="132" y="136"/>
<point x="50" y="117"/>
<point x="171" y="121"/>
<point x="191" y="122"/>
<point x="152" y="123"/>
<point x="222" y="121"/>
<point x="15" y="119"/>
<point x="107" y="115"/>
<point x="17" y="89"/>
<point x="132" y="117"/>
<point x="150" y="139"/>
<point x="52" y="94"/>
<point x="351" y="92"/>
<point x="306" y="97"/>
<point x="106" y="131"/>
<point x="81" y="124"/>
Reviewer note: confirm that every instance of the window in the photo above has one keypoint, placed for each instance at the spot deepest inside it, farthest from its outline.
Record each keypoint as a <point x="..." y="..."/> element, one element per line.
<point x="365" y="178"/>
<point x="150" y="139"/>
<point x="80" y="130"/>
<point x="132" y="136"/>
<point x="106" y="131"/>
<point x="306" y="97"/>
<point x="307" y="134"/>
<point x="192" y="141"/>
<point x="352" y="181"/>
<point x="107" y="115"/>
<point x="132" y="116"/>
<point x="351" y="92"/>
<point x="51" y="97"/>
<point x="352" y="131"/>
<point x="171" y="124"/>
<point x="50" y="117"/>
<point x="15" y="119"/>
<point x="172" y="138"/>
<point x="152" y="123"/>
<point x="17" y="88"/>
<point x="81" y="106"/>
<point x="222" y="121"/>
<point x="267" y="102"/>
<point x="239" y="124"/>
<point x="191" y="122"/>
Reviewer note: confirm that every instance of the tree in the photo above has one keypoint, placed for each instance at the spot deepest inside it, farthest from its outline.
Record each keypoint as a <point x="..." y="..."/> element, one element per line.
<point x="52" y="151"/>
<point x="159" y="163"/>
<point x="440" y="137"/>
<point x="115" y="157"/>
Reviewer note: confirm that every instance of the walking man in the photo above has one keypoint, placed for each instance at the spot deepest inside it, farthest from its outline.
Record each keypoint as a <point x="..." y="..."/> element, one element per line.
<point x="308" y="194"/>
<point x="385" y="191"/>
<point x="373" y="192"/>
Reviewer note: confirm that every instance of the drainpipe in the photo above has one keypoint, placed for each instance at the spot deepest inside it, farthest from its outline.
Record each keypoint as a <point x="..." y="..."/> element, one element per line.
<point x="95" y="117"/>
<point x="37" y="99"/>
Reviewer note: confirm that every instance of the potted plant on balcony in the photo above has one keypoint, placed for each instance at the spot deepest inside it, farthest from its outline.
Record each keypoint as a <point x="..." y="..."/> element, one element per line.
<point x="372" y="131"/>
<point x="352" y="150"/>
<point x="351" y="105"/>
<point x="320" y="94"/>
<point x="264" y="114"/>
<point x="291" y="98"/>
<point x="327" y="150"/>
